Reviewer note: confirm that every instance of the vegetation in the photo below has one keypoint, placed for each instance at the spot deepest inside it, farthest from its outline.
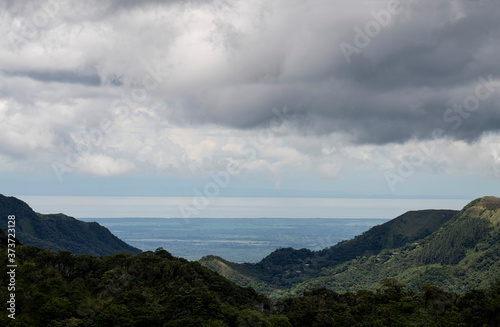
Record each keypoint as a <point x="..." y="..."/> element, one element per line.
<point x="59" y="232"/>
<point x="285" y="268"/>
<point x="392" y="305"/>
<point x="408" y="285"/>
<point x="450" y="245"/>
<point x="155" y="289"/>
<point x="457" y="251"/>
<point x="149" y="289"/>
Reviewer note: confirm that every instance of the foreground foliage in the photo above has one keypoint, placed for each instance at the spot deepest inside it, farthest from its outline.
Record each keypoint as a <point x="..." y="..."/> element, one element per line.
<point x="392" y="305"/>
<point x="155" y="289"/>
<point x="149" y="289"/>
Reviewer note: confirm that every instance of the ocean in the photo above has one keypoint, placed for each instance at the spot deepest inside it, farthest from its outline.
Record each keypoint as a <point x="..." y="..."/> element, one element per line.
<point x="236" y="229"/>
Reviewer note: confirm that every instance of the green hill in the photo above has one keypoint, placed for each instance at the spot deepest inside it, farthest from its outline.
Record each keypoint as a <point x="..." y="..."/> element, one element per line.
<point x="154" y="289"/>
<point x="456" y="250"/>
<point x="463" y="254"/>
<point x="60" y="232"/>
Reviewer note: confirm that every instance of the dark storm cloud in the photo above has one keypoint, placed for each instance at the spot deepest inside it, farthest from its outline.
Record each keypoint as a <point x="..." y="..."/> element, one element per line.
<point x="231" y="63"/>
<point x="135" y="4"/>
<point x="115" y="6"/>
<point x="58" y="77"/>
<point x="401" y="86"/>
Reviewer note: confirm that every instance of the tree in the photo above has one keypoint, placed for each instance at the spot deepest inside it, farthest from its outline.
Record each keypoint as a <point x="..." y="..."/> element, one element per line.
<point x="114" y="315"/>
<point x="251" y="318"/>
<point x="278" y="321"/>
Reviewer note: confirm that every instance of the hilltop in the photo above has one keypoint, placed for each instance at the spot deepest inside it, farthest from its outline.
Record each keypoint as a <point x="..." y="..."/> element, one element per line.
<point x="59" y="232"/>
<point x="456" y="250"/>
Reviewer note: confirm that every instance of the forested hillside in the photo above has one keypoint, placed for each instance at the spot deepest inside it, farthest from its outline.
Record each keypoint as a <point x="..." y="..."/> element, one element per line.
<point x="287" y="267"/>
<point x="457" y="251"/>
<point x="406" y="286"/>
<point x="60" y="232"/>
<point x="154" y="289"/>
<point x="149" y="289"/>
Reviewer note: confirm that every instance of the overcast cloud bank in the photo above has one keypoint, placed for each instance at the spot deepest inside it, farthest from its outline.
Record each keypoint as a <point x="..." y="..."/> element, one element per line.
<point x="200" y="77"/>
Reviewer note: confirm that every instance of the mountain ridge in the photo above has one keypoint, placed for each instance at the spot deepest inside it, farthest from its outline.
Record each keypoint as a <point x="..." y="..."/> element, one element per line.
<point x="60" y="232"/>
<point x="462" y="255"/>
<point x="411" y="254"/>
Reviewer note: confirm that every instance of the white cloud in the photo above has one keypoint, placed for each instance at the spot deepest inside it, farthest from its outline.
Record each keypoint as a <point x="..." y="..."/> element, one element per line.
<point x="101" y="165"/>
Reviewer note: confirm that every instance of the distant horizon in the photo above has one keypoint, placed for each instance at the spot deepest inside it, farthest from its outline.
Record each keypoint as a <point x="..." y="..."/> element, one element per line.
<point x="234" y="207"/>
<point x="238" y="99"/>
<point x="284" y="196"/>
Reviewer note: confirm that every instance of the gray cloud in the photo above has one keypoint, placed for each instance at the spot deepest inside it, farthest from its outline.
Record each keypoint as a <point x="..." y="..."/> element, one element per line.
<point x="59" y="77"/>
<point x="231" y="63"/>
<point x="399" y="87"/>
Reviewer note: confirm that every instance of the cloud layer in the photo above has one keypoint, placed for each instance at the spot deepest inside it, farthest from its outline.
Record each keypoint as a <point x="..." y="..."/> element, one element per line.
<point x="183" y="84"/>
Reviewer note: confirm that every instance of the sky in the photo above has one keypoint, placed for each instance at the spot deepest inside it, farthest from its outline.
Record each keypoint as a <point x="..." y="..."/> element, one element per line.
<point x="208" y="99"/>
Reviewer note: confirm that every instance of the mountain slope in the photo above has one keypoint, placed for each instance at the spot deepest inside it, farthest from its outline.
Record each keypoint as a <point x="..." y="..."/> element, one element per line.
<point x="411" y="226"/>
<point x="463" y="254"/>
<point x="287" y="267"/>
<point x="60" y="232"/>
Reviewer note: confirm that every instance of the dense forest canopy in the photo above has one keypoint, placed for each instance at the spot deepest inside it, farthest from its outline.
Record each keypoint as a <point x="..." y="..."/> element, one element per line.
<point x="155" y="289"/>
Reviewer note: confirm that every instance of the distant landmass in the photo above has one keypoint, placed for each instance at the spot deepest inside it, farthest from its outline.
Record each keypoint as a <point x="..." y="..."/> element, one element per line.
<point x="456" y="250"/>
<point x="59" y="232"/>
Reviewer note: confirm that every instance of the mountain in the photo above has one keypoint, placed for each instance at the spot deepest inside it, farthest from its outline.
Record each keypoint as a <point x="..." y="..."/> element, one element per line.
<point x="4" y="238"/>
<point x="462" y="255"/>
<point x="457" y="250"/>
<point x="60" y="232"/>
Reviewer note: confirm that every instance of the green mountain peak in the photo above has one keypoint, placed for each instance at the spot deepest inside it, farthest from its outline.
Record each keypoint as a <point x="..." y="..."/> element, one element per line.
<point x="59" y="232"/>
<point x="456" y="250"/>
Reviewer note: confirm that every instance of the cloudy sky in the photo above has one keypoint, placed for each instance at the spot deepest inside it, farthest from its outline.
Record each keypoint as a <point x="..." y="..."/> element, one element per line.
<point x="318" y="98"/>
